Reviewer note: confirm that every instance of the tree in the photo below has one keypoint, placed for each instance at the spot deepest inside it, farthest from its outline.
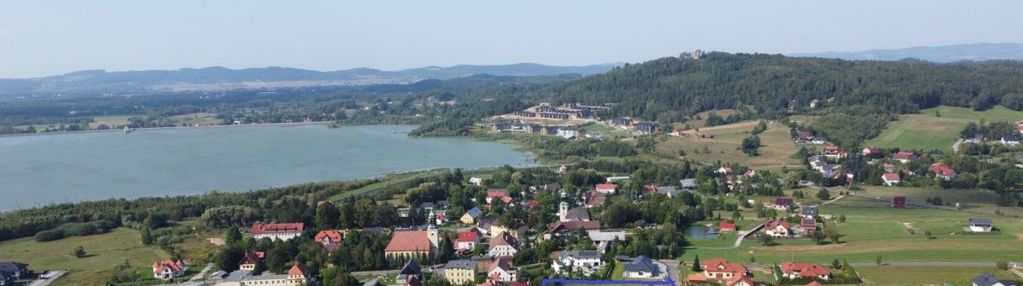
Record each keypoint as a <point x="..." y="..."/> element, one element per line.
<point x="327" y="216"/>
<point x="147" y="236"/>
<point x="878" y="260"/>
<point x="228" y="258"/>
<point x="697" y="267"/>
<point x="79" y="252"/>
<point x="338" y="277"/>
<point x="259" y="268"/>
<point x="233" y="235"/>
<point x="750" y="145"/>
<point x="841" y="218"/>
<point x="766" y="240"/>
<point x="823" y="194"/>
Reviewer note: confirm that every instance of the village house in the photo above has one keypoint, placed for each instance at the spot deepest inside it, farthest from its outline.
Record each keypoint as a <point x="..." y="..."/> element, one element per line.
<point x="467" y="239"/>
<point x="726" y="227"/>
<point x="558" y="229"/>
<point x="782" y="203"/>
<point x="298" y="275"/>
<point x="820" y="165"/>
<point x="723" y="170"/>
<point x="594" y="199"/>
<point x="476" y="181"/>
<point x="942" y="171"/>
<point x="904" y="157"/>
<point x="470" y="216"/>
<point x="410" y="271"/>
<point x="803" y="136"/>
<point x="12" y="271"/>
<point x="980" y="225"/>
<point x="778" y="228"/>
<point x="644" y="128"/>
<point x="808" y="225"/>
<point x="808" y="211"/>
<point x="833" y="152"/>
<point x="503" y="244"/>
<point x="330" y="239"/>
<point x="502" y="270"/>
<point x="621" y="122"/>
<point x="275" y="231"/>
<point x="687" y="184"/>
<point x="818" y="140"/>
<point x="792" y="270"/>
<point x="891" y="179"/>
<point x="407" y="244"/>
<point x="606" y="188"/>
<point x="168" y="269"/>
<point x="871" y="151"/>
<point x="642" y="267"/>
<point x="603" y="239"/>
<point x="988" y="279"/>
<point x="459" y="272"/>
<point x="250" y="259"/>
<point x="1010" y="140"/>
<point x="721" y="270"/>
<point x="498" y="194"/>
<point x="585" y="261"/>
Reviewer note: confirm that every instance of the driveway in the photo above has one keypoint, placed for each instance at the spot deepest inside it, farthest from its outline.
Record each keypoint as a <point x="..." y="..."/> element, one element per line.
<point x="54" y="275"/>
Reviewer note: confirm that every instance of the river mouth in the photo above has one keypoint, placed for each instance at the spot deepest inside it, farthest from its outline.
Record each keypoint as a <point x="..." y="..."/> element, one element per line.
<point x="40" y="170"/>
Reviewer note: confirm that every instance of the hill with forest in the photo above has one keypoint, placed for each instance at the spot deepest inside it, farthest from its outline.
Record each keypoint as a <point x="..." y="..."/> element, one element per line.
<point x="938" y="54"/>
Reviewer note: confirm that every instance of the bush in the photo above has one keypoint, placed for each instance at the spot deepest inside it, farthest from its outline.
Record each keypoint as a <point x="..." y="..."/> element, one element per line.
<point x="49" y="235"/>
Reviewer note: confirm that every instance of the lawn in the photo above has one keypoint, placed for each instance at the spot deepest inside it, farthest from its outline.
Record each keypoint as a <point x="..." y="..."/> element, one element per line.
<point x="777" y="149"/>
<point x="926" y="131"/>
<point x="873" y="230"/>
<point x="389" y="180"/>
<point x="899" y="275"/>
<point x="605" y="129"/>
<point x="105" y="251"/>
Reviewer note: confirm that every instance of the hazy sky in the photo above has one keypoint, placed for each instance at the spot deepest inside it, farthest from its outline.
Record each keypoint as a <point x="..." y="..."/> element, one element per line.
<point x="40" y="38"/>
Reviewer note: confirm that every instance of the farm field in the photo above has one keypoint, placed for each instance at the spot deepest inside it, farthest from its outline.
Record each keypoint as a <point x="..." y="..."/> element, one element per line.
<point x="605" y="129"/>
<point x="903" y="275"/>
<point x="873" y="230"/>
<point x="110" y="120"/>
<point x="926" y="131"/>
<point x="776" y="152"/>
<point x="201" y="118"/>
<point x="104" y="251"/>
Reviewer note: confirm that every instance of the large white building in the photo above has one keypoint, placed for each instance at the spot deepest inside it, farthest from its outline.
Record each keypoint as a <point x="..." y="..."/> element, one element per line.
<point x="585" y="261"/>
<point x="275" y="231"/>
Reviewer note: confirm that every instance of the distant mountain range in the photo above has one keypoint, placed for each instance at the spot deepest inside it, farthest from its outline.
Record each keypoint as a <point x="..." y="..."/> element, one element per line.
<point x="220" y="78"/>
<point x="938" y="54"/>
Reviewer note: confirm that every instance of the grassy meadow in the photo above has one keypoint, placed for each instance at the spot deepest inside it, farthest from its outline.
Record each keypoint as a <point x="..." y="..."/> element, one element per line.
<point x="104" y="251"/>
<point x="936" y="128"/>
<point x="777" y="149"/>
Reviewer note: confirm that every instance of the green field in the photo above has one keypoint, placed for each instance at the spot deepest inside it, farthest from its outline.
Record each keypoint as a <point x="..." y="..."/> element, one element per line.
<point x="105" y="251"/>
<point x="777" y="149"/>
<point x="899" y="275"/>
<point x="873" y="230"/>
<point x="926" y="131"/>
<point x="605" y="129"/>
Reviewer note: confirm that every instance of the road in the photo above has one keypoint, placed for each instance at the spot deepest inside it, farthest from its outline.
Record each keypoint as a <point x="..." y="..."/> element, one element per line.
<point x="672" y="270"/>
<point x="744" y="234"/>
<point x="202" y="274"/>
<point x="53" y="277"/>
<point x="955" y="146"/>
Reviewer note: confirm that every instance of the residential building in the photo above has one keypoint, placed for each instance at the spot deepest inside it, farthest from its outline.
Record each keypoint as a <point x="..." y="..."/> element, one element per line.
<point x="904" y="157"/>
<point x="330" y="238"/>
<point x="298" y="275"/>
<point x="1010" y="139"/>
<point x="833" y="152"/>
<point x="740" y="281"/>
<point x="471" y="216"/>
<point x="778" y="228"/>
<point x="584" y="261"/>
<point x="721" y="270"/>
<point x="502" y="270"/>
<point x="277" y="231"/>
<point x="475" y="181"/>
<point x="642" y="267"/>
<point x="891" y="179"/>
<point x="808" y="225"/>
<point x="687" y="184"/>
<point x="498" y="194"/>
<point x="980" y="225"/>
<point x="871" y="151"/>
<point x="594" y="199"/>
<point x="782" y="203"/>
<point x="606" y="188"/>
<point x="467" y="239"/>
<point x="726" y="227"/>
<point x="458" y="272"/>
<point x="603" y="239"/>
<point x="988" y="279"/>
<point x="168" y="269"/>
<point x="250" y="259"/>
<point x="644" y="128"/>
<point x="503" y="244"/>
<point x="808" y="211"/>
<point x="557" y="229"/>
<point x="12" y="271"/>
<point x="792" y="270"/>
<point x="942" y="171"/>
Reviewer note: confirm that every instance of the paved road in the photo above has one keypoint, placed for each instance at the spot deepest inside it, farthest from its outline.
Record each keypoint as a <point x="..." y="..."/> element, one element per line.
<point x="672" y="270"/>
<point x="43" y="282"/>
<point x="744" y="234"/>
<point x="955" y="146"/>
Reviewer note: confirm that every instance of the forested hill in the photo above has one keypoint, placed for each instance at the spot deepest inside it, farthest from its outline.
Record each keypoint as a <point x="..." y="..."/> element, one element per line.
<point x="668" y="89"/>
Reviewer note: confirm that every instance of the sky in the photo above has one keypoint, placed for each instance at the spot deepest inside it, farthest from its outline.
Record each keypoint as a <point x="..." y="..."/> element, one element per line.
<point x="41" y="38"/>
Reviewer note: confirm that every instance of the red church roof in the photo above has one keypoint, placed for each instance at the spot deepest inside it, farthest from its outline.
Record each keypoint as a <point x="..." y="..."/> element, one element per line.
<point x="408" y="240"/>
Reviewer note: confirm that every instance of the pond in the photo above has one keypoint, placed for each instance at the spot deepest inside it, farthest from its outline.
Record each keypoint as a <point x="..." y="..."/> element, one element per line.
<point x="700" y="232"/>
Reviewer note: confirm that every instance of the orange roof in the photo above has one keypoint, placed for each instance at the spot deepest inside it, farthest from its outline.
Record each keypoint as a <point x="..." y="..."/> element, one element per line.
<point x="606" y="186"/>
<point x="408" y="240"/>
<point x="739" y="278"/>
<point x="174" y="266"/>
<point x="722" y="265"/>
<point x="776" y="223"/>
<point x="804" y="269"/>
<point x="727" y="225"/>
<point x="814" y="283"/>
<point x="697" y="277"/>
<point x="299" y="269"/>
<point x="333" y="235"/>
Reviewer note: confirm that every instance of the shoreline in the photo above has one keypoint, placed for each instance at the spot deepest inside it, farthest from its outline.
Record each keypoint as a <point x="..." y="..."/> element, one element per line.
<point x="283" y="124"/>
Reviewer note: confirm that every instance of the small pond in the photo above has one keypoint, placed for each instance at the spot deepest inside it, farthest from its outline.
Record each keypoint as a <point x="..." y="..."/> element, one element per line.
<point x="700" y="231"/>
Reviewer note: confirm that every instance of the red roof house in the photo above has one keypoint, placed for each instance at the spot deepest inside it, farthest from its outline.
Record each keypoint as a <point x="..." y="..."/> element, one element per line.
<point x="721" y="270"/>
<point x="168" y="269"/>
<point x="467" y="239"/>
<point x="726" y="226"/>
<point x="499" y="194"/>
<point x="942" y="171"/>
<point x="794" y="270"/>
<point x="891" y="179"/>
<point x="607" y="188"/>
<point x="904" y="156"/>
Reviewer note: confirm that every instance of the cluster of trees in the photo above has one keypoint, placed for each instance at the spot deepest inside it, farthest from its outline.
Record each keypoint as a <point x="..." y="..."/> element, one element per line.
<point x="990" y="131"/>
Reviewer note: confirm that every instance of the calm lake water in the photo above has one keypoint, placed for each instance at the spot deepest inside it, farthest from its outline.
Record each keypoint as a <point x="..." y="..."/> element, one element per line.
<point x="43" y="169"/>
<point x="700" y="232"/>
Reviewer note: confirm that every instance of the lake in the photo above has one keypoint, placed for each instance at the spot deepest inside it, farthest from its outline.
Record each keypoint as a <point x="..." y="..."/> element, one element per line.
<point x="42" y="169"/>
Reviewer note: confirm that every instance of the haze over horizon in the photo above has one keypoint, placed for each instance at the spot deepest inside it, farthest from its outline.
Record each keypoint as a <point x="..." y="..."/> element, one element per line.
<point x="43" y="38"/>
